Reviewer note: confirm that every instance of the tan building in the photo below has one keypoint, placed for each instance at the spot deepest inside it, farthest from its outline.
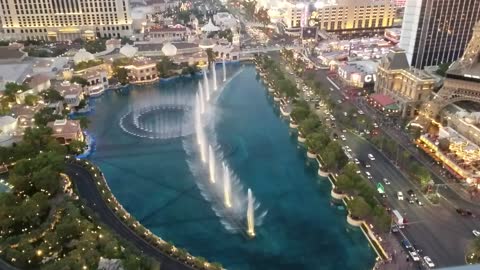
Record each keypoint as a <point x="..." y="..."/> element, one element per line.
<point x="97" y="81"/>
<point x="64" y="20"/>
<point x="353" y="17"/>
<point x="72" y="93"/>
<point x="65" y="131"/>
<point x="408" y="86"/>
<point x="142" y="70"/>
<point x="167" y="34"/>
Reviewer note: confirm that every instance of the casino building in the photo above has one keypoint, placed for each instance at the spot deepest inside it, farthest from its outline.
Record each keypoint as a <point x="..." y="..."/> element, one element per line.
<point x="61" y="20"/>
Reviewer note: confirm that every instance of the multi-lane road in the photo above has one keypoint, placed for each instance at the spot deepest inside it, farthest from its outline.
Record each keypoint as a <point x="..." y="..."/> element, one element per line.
<point x="437" y="230"/>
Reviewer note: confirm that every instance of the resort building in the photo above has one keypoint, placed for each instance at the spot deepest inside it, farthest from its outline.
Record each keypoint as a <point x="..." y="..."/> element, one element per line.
<point x="72" y="93"/>
<point x="97" y="81"/>
<point x="227" y="52"/>
<point x="358" y="73"/>
<point x="436" y="32"/>
<point x="113" y="43"/>
<point x="349" y="18"/>
<point x="142" y="70"/>
<point x="38" y="83"/>
<point x="167" y="34"/>
<point x="409" y="87"/>
<point x="65" y="131"/>
<point x="68" y="20"/>
<point x="225" y="20"/>
<point x="25" y="115"/>
<point x="459" y="155"/>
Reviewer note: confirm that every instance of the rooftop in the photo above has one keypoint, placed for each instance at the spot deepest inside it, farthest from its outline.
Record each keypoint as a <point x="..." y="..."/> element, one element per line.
<point x="64" y="126"/>
<point x="10" y="52"/>
<point x="36" y="80"/>
<point x="383" y="100"/>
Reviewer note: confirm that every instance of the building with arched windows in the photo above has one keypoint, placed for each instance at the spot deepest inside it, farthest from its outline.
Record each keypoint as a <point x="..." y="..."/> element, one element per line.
<point x="60" y="20"/>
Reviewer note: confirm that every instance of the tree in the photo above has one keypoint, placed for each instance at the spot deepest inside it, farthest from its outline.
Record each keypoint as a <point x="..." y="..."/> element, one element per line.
<point x="333" y="156"/>
<point x="77" y="79"/>
<point x="12" y="88"/>
<point x="165" y="66"/>
<point x="84" y="122"/>
<point x="76" y="147"/>
<point x="317" y="141"/>
<point x="263" y="17"/>
<point x="51" y="95"/>
<point x="210" y="56"/>
<point x="31" y="100"/>
<point x="309" y="125"/>
<point x="249" y="7"/>
<point x="299" y="113"/>
<point x="359" y="208"/>
<point x="121" y="74"/>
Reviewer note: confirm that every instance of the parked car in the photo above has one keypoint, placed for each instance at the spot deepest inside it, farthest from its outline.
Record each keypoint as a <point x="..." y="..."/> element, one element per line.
<point x="356" y="161"/>
<point x="429" y="262"/>
<point x="400" y="196"/>
<point x="369" y="176"/>
<point x="406" y="244"/>
<point x="419" y="203"/>
<point x="414" y="255"/>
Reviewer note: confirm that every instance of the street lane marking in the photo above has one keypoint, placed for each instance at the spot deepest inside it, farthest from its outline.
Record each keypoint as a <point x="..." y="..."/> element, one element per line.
<point x="334" y="84"/>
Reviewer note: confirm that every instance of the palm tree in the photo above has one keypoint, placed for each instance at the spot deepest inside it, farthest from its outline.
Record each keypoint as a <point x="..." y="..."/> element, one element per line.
<point x="210" y="56"/>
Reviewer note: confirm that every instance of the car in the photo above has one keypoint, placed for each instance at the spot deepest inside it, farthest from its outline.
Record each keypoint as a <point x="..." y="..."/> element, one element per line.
<point x="367" y="165"/>
<point x="411" y="193"/>
<point x="356" y="161"/>
<point x="344" y="130"/>
<point x="406" y="244"/>
<point x="410" y="200"/>
<point x="358" y="172"/>
<point x="428" y="262"/>
<point x="476" y="233"/>
<point x="345" y="114"/>
<point x="414" y="256"/>
<point x="400" y="196"/>
<point x="343" y="137"/>
<point x="369" y="176"/>
<point x="371" y="157"/>
<point x="385" y="180"/>
<point x="375" y="125"/>
<point x="339" y="101"/>
<point x="331" y="89"/>
<point x="335" y="136"/>
<point x="419" y="203"/>
<point x="395" y="228"/>
<point x="361" y="112"/>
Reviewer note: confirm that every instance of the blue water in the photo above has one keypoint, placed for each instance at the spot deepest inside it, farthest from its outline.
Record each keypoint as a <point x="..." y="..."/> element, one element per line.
<point x="152" y="180"/>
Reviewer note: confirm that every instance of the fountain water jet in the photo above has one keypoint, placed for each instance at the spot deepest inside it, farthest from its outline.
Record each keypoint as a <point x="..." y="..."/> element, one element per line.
<point x="211" y="164"/>
<point x="207" y="85"/>
<point x="202" y="102"/>
<point x="224" y="70"/>
<point x="214" y="75"/>
<point x="199" y="128"/>
<point x="226" y="186"/>
<point x="250" y="215"/>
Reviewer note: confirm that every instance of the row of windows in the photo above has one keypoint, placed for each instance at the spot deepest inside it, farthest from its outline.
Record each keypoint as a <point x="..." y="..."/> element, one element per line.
<point x="44" y="30"/>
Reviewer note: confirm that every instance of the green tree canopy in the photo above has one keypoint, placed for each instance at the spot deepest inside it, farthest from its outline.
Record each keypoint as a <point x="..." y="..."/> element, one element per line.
<point x="359" y="208"/>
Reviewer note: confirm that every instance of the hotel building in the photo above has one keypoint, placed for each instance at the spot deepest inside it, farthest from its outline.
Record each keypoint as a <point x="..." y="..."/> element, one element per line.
<point x="354" y="17"/>
<point x="60" y="20"/>
<point x="436" y="32"/>
<point x="409" y="87"/>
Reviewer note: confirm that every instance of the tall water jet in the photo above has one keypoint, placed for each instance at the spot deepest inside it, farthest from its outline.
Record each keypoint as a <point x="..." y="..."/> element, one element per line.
<point x="207" y="85"/>
<point x="202" y="100"/>
<point x="199" y="129"/>
<point x="211" y="164"/>
<point x="214" y="74"/>
<point x="227" y="192"/>
<point x="224" y="70"/>
<point x="250" y="215"/>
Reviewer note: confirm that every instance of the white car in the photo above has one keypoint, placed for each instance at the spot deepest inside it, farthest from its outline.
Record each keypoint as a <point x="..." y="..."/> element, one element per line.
<point x="414" y="256"/>
<point x="369" y="176"/>
<point x="476" y="233"/>
<point x="356" y="161"/>
<point x="375" y="125"/>
<point x="400" y="196"/>
<point x="343" y="137"/>
<point x="344" y="131"/>
<point x="331" y="89"/>
<point x="367" y="165"/>
<point x="385" y="180"/>
<point x="360" y="112"/>
<point x="371" y="157"/>
<point x="429" y="262"/>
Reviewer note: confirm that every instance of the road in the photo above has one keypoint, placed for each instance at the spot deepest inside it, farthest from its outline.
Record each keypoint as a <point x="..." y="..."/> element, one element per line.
<point x="89" y="193"/>
<point x="438" y="230"/>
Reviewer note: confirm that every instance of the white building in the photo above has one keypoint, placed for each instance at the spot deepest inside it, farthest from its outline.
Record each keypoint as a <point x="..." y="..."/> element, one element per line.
<point x="97" y="81"/>
<point x="168" y="34"/>
<point x="358" y="73"/>
<point x="65" y="20"/>
<point x="39" y="82"/>
<point x="225" y="20"/>
<point x="72" y="93"/>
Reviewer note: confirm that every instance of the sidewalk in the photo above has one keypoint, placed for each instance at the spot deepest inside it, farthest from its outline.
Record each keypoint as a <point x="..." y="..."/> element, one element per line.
<point x="398" y="255"/>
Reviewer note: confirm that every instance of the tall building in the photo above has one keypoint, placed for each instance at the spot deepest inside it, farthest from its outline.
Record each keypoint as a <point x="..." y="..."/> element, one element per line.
<point x="354" y="17"/>
<point x="437" y="31"/>
<point x="64" y="19"/>
<point x="408" y="86"/>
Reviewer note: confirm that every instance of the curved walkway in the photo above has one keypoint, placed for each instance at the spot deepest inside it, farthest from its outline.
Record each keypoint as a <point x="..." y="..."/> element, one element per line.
<point x="88" y="191"/>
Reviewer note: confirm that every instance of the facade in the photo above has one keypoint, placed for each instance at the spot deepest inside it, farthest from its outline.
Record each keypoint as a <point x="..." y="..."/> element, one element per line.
<point x="142" y="70"/>
<point x="408" y="86"/>
<point x="353" y="17"/>
<point x="72" y="93"/>
<point x="97" y="81"/>
<point x="65" y="131"/>
<point x="436" y="32"/>
<point x="64" y="20"/>
<point x="358" y="73"/>
<point x="167" y="34"/>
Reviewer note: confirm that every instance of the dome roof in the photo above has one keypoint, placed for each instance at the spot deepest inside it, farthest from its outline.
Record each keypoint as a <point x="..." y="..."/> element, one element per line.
<point x="206" y="43"/>
<point x="210" y="27"/>
<point x="82" y="56"/>
<point x="128" y="50"/>
<point x="169" y="49"/>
